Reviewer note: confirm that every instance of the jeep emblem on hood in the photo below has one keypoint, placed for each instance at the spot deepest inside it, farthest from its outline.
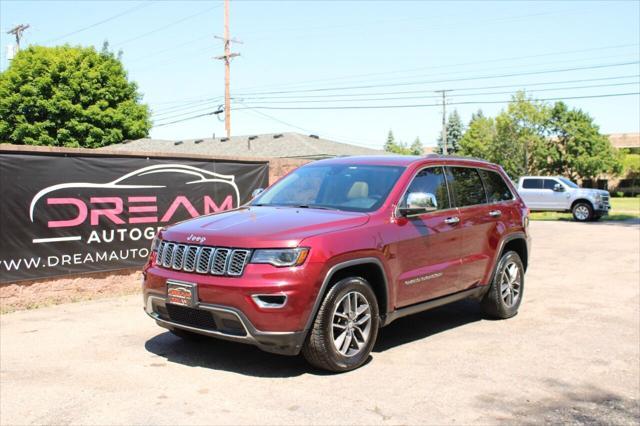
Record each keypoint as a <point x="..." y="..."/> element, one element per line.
<point x="196" y="238"/>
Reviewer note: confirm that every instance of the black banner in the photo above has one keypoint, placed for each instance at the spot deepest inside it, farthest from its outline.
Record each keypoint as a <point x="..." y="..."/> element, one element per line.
<point x="67" y="213"/>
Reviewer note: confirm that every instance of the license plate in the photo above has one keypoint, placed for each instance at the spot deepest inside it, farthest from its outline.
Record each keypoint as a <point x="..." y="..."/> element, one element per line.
<point x="181" y="293"/>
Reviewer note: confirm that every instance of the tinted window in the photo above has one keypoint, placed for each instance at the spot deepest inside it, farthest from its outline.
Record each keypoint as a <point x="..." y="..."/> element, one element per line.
<point x="467" y="186"/>
<point x="532" y="183"/>
<point x="549" y="184"/>
<point x="342" y="187"/>
<point x="497" y="189"/>
<point x="569" y="183"/>
<point x="430" y="181"/>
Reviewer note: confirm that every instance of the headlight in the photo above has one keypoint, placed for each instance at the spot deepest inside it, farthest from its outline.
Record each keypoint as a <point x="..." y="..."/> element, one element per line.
<point x="281" y="257"/>
<point x="155" y="243"/>
<point x="598" y="198"/>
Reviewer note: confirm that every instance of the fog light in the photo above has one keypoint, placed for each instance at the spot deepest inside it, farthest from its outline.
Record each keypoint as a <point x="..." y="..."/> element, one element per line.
<point x="270" y="301"/>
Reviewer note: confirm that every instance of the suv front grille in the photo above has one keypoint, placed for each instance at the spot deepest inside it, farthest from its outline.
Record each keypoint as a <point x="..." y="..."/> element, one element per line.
<point x="202" y="259"/>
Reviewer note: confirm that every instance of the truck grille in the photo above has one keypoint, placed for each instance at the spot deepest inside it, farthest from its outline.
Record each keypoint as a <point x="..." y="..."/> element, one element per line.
<point x="202" y="259"/>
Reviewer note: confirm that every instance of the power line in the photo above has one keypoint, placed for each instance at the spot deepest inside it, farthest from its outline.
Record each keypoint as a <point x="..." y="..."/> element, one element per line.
<point x="343" y="107"/>
<point x="189" y="118"/>
<point x="513" y="58"/>
<point x="272" y="118"/>
<point x="326" y="89"/>
<point x="111" y="18"/>
<point x="185" y="104"/>
<point x="456" y="94"/>
<point x="189" y="105"/>
<point x="457" y="90"/>
<point x="254" y="108"/>
<point x="170" y="24"/>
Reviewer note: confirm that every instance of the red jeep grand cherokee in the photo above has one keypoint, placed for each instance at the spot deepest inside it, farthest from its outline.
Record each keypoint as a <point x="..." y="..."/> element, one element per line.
<point x="338" y="248"/>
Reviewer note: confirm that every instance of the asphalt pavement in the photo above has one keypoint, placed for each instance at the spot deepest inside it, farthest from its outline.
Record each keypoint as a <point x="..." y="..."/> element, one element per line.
<point x="572" y="354"/>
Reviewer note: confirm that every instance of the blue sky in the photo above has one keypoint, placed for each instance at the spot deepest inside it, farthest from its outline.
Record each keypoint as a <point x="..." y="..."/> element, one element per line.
<point x="302" y="54"/>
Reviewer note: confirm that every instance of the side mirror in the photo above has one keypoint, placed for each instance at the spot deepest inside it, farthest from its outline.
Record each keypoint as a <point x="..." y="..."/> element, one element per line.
<point x="419" y="203"/>
<point x="558" y="188"/>
<point x="256" y="192"/>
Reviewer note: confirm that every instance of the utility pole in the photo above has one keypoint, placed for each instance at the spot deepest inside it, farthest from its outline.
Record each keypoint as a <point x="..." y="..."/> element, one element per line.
<point x="445" y="150"/>
<point x="17" y="32"/>
<point x="227" y="69"/>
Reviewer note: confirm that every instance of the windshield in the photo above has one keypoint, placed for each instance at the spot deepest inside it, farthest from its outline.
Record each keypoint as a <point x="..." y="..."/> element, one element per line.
<point x="359" y="188"/>
<point x="568" y="183"/>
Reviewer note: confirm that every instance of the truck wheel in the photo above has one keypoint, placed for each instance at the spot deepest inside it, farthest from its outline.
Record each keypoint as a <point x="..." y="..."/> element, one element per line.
<point x="582" y="211"/>
<point x="345" y="328"/>
<point x="505" y="293"/>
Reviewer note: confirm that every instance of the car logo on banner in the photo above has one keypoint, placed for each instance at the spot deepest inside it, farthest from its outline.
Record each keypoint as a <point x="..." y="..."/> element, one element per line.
<point x="139" y="208"/>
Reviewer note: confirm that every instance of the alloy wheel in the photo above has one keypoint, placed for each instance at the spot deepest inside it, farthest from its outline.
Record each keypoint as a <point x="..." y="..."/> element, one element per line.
<point x="351" y="324"/>
<point x="510" y="284"/>
<point x="582" y="212"/>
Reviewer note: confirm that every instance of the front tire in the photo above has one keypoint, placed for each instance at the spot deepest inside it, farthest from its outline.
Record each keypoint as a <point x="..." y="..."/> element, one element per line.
<point x="345" y="328"/>
<point x="505" y="293"/>
<point x="582" y="211"/>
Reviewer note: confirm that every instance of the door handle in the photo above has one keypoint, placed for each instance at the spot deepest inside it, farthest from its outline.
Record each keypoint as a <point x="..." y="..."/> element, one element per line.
<point x="452" y="220"/>
<point x="495" y="213"/>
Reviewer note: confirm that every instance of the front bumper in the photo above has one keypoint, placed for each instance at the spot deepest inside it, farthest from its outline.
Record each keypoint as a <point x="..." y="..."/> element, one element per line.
<point x="221" y="322"/>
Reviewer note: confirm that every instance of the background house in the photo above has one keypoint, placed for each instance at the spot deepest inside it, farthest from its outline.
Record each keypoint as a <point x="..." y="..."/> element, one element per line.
<point x="273" y="145"/>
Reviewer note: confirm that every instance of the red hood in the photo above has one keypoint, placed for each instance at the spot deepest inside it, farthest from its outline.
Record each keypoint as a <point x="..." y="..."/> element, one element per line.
<point x="260" y="227"/>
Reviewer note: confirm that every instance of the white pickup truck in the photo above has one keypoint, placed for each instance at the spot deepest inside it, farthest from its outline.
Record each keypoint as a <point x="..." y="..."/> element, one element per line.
<point x="559" y="194"/>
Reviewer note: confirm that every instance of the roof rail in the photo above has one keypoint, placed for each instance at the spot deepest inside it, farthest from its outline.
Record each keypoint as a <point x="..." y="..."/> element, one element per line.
<point x="457" y="157"/>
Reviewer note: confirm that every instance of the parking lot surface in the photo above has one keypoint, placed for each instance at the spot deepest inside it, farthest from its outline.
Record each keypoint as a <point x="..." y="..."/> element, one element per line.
<point x="572" y="354"/>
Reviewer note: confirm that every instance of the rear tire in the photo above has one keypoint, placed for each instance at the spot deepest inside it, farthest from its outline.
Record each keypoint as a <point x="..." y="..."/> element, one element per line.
<point x="582" y="211"/>
<point x="345" y="328"/>
<point x="507" y="288"/>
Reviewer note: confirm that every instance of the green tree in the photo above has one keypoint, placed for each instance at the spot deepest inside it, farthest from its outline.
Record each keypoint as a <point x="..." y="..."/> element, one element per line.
<point x="416" y="147"/>
<point x="455" y="130"/>
<point x="576" y="148"/>
<point x="478" y="140"/>
<point x="395" y="147"/>
<point x="390" y="144"/>
<point x="520" y="131"/>
<point x="631" y="168"/>
<point x="69" y="96"/>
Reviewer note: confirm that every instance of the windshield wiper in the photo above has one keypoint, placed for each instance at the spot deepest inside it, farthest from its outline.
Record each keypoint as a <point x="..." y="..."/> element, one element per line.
<point x="311" y="206"/>
<point x="298" y="206"/>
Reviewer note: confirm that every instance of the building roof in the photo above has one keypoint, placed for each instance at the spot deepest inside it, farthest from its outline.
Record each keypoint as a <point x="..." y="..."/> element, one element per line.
<point x="278" y="145"/>
<point x="625" y="140"/>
